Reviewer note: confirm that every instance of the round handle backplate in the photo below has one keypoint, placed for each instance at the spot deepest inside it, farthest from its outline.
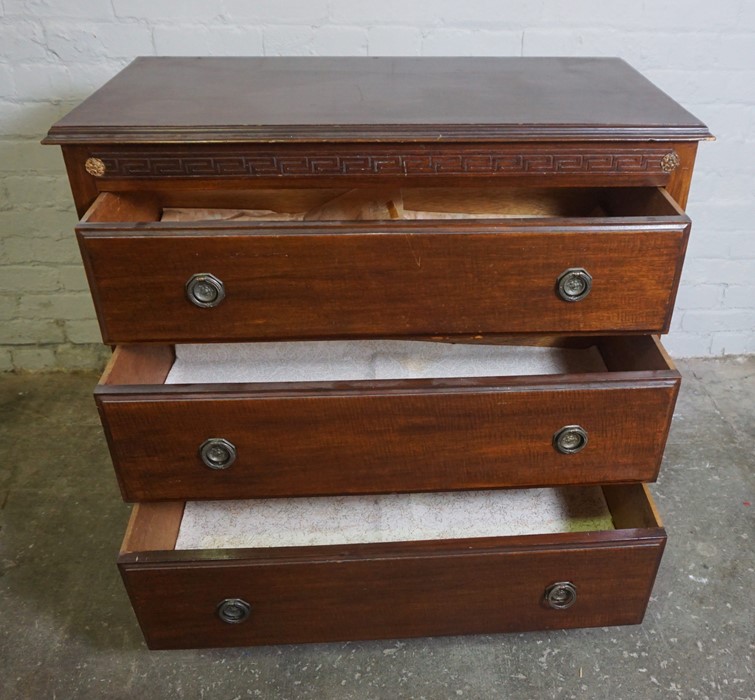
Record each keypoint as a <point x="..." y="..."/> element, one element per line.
<point x="561" y="595"/>
<point x="570" y="439"/>
<point x="217" y="453"/>
<point x="205" y="290"/>
<point x="574" y="284"/>
<point x="234" y="610"/>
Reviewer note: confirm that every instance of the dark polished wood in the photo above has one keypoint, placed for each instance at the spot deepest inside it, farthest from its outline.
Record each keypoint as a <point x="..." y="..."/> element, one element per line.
<point x="313" y="284"/>
<point x="83" y="185"/>
<point x="317" y="438"/>
<point x="320" y="279"/>
<point x="681" y="178"/>
<point x="630" y="507"/>
<point x="176" y="168"/>
<point x="340" y="99"/>
<point x="402" y="589"/>
<point x="610" y="163"/>
<point x="295" y="132"/>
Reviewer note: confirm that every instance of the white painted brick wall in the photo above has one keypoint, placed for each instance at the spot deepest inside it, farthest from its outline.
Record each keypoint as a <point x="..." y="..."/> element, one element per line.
<point x="53" y="53"/>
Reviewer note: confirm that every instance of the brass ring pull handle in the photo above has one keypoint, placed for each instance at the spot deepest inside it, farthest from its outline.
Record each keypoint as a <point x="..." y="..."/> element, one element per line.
<point x="234" y="610"/>
<point x="570" y="439"/>
<point x="561" y="595"/>
<point x="217" y="453"/>
<point x="205" y="290"/>
<point x="574" y="284"/>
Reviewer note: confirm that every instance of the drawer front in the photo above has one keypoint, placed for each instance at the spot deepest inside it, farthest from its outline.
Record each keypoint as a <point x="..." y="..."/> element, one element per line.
<point x="306" y="438"/>
<point x="372" y="284"/>
<point x="430" y="439"/>
<point x="389" y="597"/>
<point x="372" y="591"/>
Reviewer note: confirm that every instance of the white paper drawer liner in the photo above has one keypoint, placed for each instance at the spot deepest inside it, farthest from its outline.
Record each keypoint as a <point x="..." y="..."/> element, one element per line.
<point x="370" y="359"/>
<point x="291" y="522"/>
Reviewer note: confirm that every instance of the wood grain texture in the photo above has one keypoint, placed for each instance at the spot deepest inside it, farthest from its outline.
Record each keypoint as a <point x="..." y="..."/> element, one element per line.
<point x="635" y="354"/>
<point x="83" y="186"/>
<point x="379" y="598"/>
<point x="325" y="285"/>
<point x="153" y="527"/>
<point x="681" y="178"/>
<point x="377" y="444"/>
<point x="326" y="99"/>
<point x="632" y="508"/>
<point x="176" y="168"/>
<point x="317" y="438"/>
<point x="124" y="207"/>
<point x="220" y="131"/>
<point x="138" y="365"/>
<point x="373" y="591"/>
<point x="386" y="278"/>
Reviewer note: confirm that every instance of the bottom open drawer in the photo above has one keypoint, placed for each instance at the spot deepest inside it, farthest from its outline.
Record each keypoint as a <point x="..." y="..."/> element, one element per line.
<point x="372" y="567"/>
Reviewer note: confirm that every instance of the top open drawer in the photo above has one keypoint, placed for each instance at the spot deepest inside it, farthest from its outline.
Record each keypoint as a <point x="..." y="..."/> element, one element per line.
<point x="207" y="266"/>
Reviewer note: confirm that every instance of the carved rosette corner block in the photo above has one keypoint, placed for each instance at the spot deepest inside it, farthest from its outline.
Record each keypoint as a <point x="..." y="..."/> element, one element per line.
<point x="95" y="167"/>
<point x="670" y="162"/>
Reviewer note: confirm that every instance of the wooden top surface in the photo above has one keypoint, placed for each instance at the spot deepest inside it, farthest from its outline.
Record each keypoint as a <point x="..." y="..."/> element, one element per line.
<point x="160" y="100"/>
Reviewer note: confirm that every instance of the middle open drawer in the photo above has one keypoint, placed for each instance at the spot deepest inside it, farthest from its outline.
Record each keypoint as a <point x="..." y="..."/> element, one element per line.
<point x="412" y="417"/>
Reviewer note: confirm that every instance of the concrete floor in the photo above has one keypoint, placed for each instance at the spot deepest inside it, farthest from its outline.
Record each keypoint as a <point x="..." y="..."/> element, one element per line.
<point x="67" y="630"/>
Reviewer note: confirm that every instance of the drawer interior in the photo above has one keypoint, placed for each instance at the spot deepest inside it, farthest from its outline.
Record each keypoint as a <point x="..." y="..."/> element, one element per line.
<point x="380" y="203"/>
<point x="343" y="520"/>
<point x="330" y="361"/>
<point x="371" y="359"/>
<point x="292" y="522"/>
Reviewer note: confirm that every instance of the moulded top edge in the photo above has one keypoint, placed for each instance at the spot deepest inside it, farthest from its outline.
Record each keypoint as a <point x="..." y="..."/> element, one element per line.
<point x="180" y="99"/>
<point x="452" y="133"/>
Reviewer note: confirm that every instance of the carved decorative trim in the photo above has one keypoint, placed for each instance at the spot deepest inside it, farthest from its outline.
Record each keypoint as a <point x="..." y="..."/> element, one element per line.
<point x="95" y="167"/>
<point x="670" y="162"/>
<point x="265" y="164"/>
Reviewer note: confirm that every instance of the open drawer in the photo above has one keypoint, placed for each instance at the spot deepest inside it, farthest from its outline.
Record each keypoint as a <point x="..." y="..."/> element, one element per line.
<point x="362" y="580"/>
<point x="312" y="263"/>
<point x="247" y="421"/>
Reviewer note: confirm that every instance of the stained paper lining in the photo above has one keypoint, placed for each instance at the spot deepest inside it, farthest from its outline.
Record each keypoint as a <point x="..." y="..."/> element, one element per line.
<point x="291" y="522"/>
<point x="371" y="359"/>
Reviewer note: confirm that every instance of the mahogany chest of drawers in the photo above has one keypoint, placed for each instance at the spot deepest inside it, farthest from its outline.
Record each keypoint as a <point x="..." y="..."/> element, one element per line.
<point x="429" y="289"/>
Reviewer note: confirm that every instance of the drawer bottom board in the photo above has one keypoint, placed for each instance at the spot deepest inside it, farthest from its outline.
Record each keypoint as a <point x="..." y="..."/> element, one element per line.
<point x="388" y="589"/>
<point x="291" y="522"/>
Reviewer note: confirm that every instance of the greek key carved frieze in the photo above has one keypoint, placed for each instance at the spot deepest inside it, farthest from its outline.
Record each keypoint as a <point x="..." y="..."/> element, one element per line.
<point x="255" y="164"/>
